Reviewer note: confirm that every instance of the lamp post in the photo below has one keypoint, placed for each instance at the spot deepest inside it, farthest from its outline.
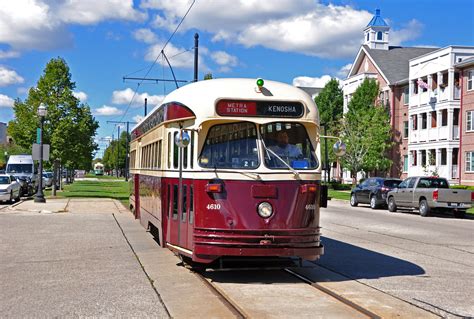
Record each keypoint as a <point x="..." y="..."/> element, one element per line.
<point x="39" y="198"/>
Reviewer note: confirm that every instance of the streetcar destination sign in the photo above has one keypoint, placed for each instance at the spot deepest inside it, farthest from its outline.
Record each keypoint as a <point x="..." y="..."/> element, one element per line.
<point x="259" y="108"/>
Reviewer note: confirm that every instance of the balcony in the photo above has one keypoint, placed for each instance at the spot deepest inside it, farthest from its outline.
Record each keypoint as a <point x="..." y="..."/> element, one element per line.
<point x="442" y="170"/>
<point x="433" y="134"/>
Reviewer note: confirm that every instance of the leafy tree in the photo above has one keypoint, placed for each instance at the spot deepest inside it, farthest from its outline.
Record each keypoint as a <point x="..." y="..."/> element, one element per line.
<point x="208" y="76"/>
<point x="115" y="154"/>
<point x="69" y="125"/>
<point x="366" y="131"/>
<point x="330" y="105"/>
<point x="11" y="149"/>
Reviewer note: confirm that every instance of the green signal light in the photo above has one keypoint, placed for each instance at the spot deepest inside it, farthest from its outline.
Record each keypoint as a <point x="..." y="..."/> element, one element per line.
<point x="260" y="82"/>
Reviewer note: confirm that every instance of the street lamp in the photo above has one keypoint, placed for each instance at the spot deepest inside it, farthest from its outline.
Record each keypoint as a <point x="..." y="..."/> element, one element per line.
<point x="39" y="194"/>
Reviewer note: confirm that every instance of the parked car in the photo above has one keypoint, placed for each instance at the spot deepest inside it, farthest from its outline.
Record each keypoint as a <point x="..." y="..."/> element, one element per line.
<point x="373" y="191"/>
<point x="47" y="179"/>
<point x="429" y="194"/>
<point x="23" y="166"/>
<point x="9" y="188"/>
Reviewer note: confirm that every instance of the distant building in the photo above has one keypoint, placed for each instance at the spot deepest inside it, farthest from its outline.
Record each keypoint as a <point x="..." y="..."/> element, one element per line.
<point x="3" y="133"/>
<point x="420" y="87"/>
<point x="312" y="91"/>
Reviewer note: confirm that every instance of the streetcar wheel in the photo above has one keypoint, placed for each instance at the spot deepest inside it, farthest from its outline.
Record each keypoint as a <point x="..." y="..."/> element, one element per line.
<point x="424" y="208"/>
<point x="354" y="201"/>
<point x="392" y="206"/>
<point x="373" y="202"/>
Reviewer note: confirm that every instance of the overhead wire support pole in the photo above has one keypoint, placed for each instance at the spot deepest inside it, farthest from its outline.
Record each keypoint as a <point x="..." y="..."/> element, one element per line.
<point x="127" y="152"/>
<point x="172" y="72"/>
<point x="196" y="56"/>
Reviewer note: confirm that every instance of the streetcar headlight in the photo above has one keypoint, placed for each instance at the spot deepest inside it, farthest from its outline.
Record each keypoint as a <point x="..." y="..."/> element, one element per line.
<point x="265" y="209"/>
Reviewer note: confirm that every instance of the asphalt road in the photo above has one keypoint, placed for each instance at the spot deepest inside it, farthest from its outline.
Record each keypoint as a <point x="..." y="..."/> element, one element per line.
<point x="427" y="261"/>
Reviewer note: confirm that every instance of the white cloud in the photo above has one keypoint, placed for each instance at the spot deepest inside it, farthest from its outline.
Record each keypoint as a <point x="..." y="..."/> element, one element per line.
<point x="178" y="57"/>
<point x="303" y="26"/>
<point x="124" y="97"/>
<point x="9" y="77"/>
<point x="9" y="54"/>
<point x="344" y="71"/>
<point x="410" y="31"/>
<point x="6" y="101"/>
<point x="107" y="111"/>
<point x="306" y="81"/>
<point x="145" y="35"/>
<point x="138" y="118"/>
<point x="43" y="24"/>
<point x="82" y="96"/>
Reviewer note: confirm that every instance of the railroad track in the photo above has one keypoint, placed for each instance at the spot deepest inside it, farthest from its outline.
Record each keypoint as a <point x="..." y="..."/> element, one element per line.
<point x="283" y="293"/>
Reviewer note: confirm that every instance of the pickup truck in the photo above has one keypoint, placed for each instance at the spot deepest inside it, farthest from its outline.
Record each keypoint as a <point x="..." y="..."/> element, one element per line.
<point x="429" y="194"/>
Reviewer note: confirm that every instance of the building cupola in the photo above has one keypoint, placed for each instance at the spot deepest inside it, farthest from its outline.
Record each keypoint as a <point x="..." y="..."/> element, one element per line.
<point x="376" y="32"/>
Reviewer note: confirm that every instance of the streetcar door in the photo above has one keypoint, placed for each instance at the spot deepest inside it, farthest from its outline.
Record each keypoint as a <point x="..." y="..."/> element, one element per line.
<point x="173" y="216"/>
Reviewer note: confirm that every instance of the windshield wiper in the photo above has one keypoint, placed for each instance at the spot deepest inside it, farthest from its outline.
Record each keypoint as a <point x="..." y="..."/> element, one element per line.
<point x="248" y="174"/>
<point x="281" y="159"/>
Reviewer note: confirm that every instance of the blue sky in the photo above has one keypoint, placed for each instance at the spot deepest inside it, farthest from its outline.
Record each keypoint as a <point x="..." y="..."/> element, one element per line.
<point x="302" y="42"/>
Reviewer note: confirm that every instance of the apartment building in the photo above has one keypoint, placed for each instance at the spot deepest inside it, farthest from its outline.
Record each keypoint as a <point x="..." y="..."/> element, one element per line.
<point x="434" y="113"/>
<point x="466" y="139"/>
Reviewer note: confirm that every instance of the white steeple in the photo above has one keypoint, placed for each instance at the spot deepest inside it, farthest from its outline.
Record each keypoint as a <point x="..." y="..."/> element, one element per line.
<point x="376" y="32"/>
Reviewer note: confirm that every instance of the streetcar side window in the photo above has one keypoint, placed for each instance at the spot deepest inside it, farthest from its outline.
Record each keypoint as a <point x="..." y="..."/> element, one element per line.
<point x="231" y="145"/>
<point x="175" y="152"/>
<point x="185" y="204"/>
<point x="175" y="201"/>
<point x="159" y="153"/>
<point x="191" y="204"/>
<point x="287" y="144"/>
<point x="169" y="150"/>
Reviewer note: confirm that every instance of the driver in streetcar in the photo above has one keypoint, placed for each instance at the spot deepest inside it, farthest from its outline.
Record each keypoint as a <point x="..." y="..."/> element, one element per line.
<point x="284" y="148"/>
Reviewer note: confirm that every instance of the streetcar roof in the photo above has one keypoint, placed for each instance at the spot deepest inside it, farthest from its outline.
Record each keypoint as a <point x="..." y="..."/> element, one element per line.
<point x="201" y="98"/>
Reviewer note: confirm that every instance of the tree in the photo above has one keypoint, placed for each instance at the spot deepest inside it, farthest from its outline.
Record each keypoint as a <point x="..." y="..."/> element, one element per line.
<point x="366" y="131"/>
<point x="208" y="76"/>
<point x="115" y="154"/>
<point x="69" y="125"/>
<point x="11" y="149"/>
<point x="330" y="105"/>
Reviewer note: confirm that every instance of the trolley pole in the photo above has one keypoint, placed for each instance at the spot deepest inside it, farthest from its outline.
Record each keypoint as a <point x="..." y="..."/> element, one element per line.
<point x="196" y="56"/>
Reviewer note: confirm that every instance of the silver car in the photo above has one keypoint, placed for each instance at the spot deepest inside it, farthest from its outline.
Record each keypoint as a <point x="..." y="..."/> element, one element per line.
<point x="9" y="188"/>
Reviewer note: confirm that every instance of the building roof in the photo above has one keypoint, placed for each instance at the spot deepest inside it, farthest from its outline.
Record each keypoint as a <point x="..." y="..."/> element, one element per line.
<point x="377" y="20"/>
<point x="465" y="62"/>
<point x="393" y="63"/>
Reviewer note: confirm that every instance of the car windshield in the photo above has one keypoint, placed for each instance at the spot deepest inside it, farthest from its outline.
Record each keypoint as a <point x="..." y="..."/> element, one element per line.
<point x="433" y="183"/>
<point x="392" y="183"/>
<point x="20" y="168"/>
<point x="4" y="180"/>
<point x="287" y="142"/>
<point x="230" y="146"/>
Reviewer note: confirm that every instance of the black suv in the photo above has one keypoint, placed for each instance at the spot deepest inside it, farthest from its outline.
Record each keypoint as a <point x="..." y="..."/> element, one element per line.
<point x="373" y="191"/>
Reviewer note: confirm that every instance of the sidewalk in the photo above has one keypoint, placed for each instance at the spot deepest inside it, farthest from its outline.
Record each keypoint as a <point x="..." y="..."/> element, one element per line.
<point x="87" y="258"/>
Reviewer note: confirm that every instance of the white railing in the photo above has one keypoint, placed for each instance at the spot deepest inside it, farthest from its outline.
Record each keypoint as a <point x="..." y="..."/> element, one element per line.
<point x="443" y="133"/>
<point x="423" y="135"/>
<point x="455" y="172"/>
<point x="443" y="94"/>
<point x="442" y="171"/>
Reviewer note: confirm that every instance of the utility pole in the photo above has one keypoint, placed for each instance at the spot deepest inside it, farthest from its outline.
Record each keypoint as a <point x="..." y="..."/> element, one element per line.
<point x="127" y="147"/>
<point x="196" y="56"/>
<point x="118" y="148"/>
<point x="146" y="106"/>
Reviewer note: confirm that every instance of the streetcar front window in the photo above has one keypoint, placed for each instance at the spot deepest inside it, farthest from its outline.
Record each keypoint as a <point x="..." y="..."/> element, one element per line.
<point x="287" y="144"/>
<point x="231" y="146"/>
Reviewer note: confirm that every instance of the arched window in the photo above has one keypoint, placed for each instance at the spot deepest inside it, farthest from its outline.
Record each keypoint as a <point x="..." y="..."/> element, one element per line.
<point x="379" y="35"/>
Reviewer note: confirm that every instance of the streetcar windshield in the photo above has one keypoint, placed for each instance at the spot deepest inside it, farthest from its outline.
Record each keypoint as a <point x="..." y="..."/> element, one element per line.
<point x="287" y="144"/>
<point x="231" y="146"/>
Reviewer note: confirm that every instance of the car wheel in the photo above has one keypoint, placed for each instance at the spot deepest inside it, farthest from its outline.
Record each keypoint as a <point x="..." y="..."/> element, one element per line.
<point x="373" y="202"/>
<point x="354" y="201"/>
<point x="459" y="213"/>
<point x="392" y="206"/>
<point x="424" y="208"/>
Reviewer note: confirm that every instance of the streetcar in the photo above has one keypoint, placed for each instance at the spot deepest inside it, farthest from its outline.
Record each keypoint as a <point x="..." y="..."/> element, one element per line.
<point x="98" y="169"/>
<point x="230" y="168"/>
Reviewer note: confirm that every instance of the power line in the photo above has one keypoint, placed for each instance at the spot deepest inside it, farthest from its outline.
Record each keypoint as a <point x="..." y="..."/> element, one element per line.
<point x="157" y="57"/>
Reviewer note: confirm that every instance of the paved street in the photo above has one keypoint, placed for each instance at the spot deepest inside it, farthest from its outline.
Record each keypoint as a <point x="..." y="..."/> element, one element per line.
<point x="426" y="261"/>
<point x="94" y="259"/>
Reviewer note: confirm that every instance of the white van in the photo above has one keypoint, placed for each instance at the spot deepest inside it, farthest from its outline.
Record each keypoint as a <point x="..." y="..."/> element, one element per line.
<point x="22" y="166"/>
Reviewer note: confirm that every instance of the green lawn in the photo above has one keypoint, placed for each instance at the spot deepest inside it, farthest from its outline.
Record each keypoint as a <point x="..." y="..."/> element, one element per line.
<point x="109" y="188"/>
<point x="344" y="195"/>
<point x="92" y="175"/>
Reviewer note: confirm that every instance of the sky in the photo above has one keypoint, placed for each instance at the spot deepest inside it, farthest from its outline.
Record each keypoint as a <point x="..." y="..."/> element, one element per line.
<point x="301" y="42"/>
